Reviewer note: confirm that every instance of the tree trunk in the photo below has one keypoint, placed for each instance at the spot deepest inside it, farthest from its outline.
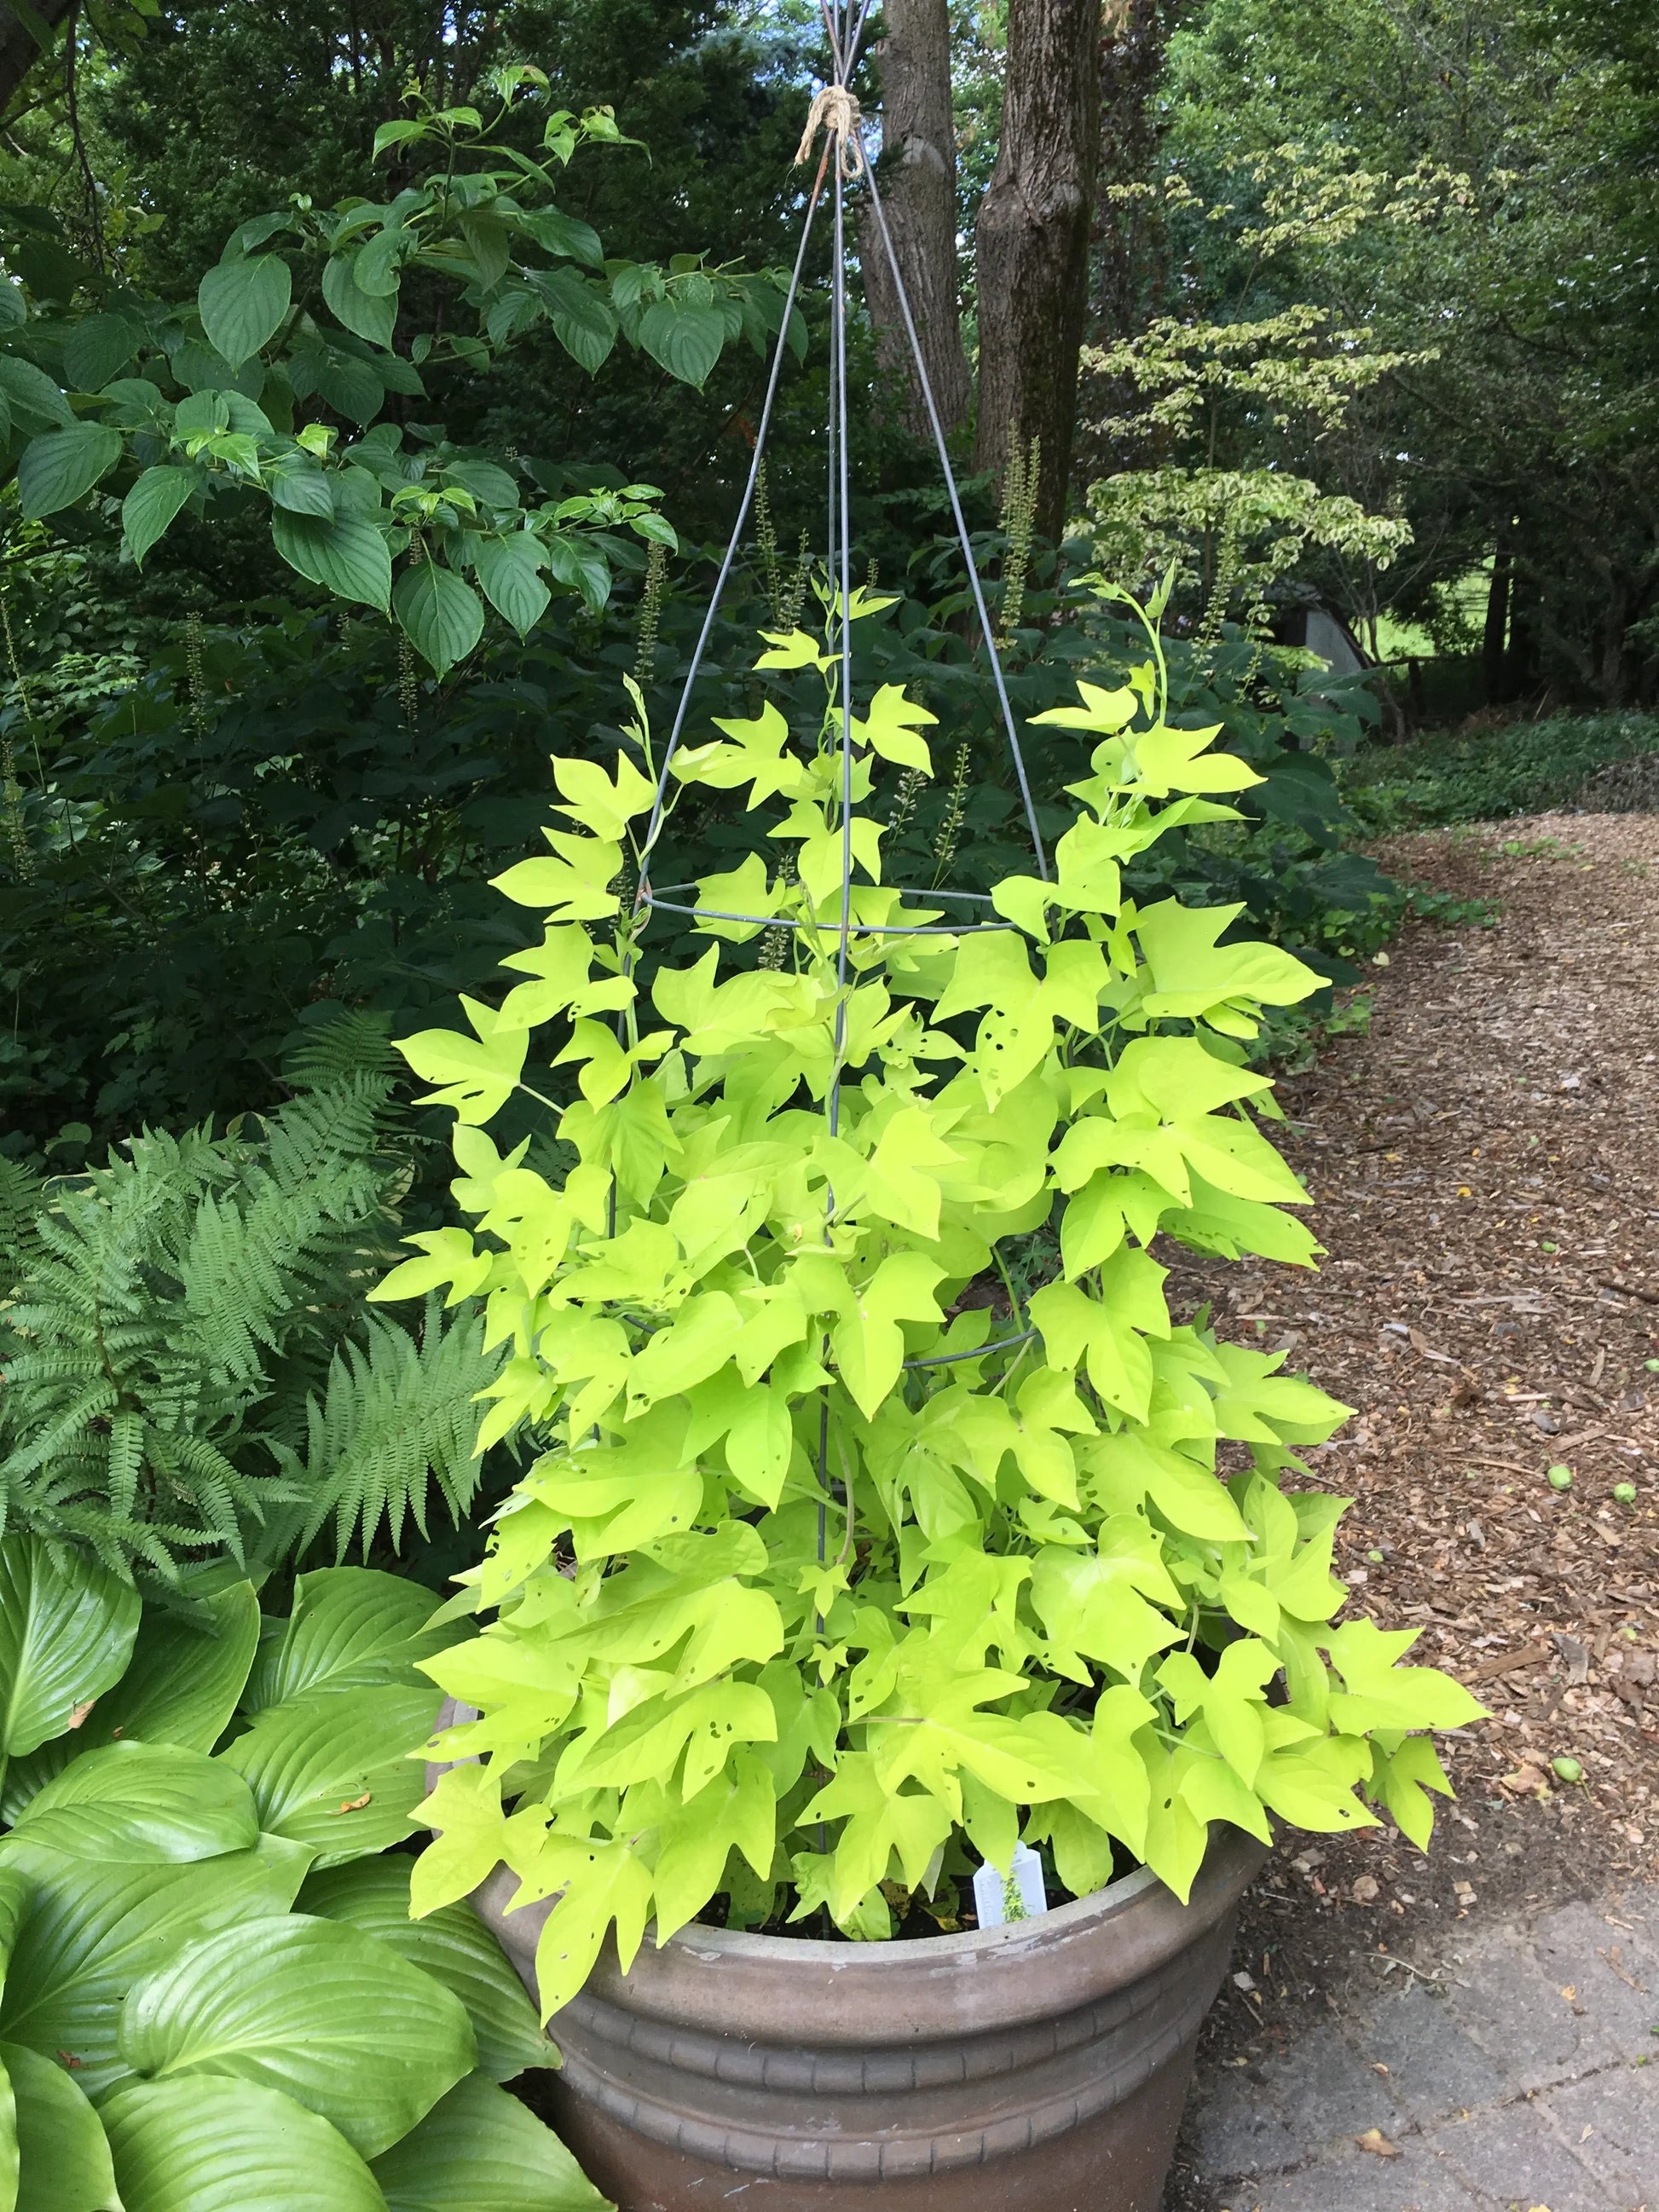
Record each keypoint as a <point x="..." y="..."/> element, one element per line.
<point x="19" y="52"/>
<point x="1131" y="239"/>
<point x="1520" y="650"/>
<point x="1495" y="636"/>
<point x="918" y="182"/>
<point x="1033" y="243"/>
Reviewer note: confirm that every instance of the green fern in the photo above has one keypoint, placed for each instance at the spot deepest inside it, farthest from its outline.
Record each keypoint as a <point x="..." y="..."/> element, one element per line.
<point x="186" y="1368"/>
<point x="398" y="1414"/>
<point x="346" y="1043"/>
<point x="20" y="1201"/>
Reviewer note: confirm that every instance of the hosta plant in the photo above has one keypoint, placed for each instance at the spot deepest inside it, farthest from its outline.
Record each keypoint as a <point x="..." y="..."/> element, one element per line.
<point x="831" y="1579"/>
<point x="214" y="1995"/>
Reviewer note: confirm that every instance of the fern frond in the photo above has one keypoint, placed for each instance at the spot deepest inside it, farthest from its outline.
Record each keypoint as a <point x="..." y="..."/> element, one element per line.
<point x="23" y="1194"/>
<point x="346" y="1044"/>
<point x="397" y="1416"/>
<point x="175" y="1311"/>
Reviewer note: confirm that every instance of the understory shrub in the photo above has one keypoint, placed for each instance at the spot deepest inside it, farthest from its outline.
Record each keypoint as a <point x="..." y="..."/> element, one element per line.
<point x="1524" y="767"/>
<point x="273" y="823"/>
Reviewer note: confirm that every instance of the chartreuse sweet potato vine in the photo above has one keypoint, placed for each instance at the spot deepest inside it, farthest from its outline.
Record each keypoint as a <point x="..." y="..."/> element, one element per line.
<point x="1021" y="1602"/>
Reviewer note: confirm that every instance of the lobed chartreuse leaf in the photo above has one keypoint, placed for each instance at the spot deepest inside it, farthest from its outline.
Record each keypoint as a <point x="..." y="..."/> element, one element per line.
<point x="822" y="1580"/>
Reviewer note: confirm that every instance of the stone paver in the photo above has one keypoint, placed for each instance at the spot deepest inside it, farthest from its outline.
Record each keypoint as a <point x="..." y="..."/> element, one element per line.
<point x="1524" y="2078"/>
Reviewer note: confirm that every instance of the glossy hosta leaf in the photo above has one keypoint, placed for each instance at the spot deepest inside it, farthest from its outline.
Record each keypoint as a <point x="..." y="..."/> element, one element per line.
<point x="452" y="1944"/>
<point x="94" y="1930"/>
<point x="57" y="468"/>
<point x="141" y="1802"/>
<point x="63" y="2161"/>
<point x="242" y="304"/>
<point x="183" y="1681"/>
<point x="10" y="2156"/>
<point x="347" y="557"/>
<point x="440" y="614"/>
<point x="151" y="505"/>
<point x="16" y="1890"/>
<point x="224" y="2146"/>
<point x="334" y="1770"/>
<point x="331" y="2017"/>
<point x="66" y="1633"/>
<point x="481" y="2151"/>
<point x="351" y="1628"/>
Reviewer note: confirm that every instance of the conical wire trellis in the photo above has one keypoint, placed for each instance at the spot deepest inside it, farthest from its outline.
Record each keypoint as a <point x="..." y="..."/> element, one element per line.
<point x="842" y="161"/>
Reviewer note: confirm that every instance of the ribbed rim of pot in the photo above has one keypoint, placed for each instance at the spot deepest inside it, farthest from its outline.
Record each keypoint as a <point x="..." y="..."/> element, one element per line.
<point x="727" y="1981"/>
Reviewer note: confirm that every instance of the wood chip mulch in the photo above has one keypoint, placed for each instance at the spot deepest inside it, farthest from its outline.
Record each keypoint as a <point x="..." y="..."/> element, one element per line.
<point x="1484" y="1170"/>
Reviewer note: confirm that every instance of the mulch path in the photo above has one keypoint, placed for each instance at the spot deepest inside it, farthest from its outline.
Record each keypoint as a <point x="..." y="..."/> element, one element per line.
<point x="1484" y="1164"/>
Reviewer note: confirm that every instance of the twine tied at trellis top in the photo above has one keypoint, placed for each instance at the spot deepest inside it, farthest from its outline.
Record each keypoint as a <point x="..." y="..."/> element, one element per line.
<point x="836" y="111"/>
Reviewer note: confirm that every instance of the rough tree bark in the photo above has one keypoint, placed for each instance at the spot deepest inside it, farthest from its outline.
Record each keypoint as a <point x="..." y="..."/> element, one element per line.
<point x="1130" y="273"/>
<point x="1131" y="243"/>
<point x="918" y="180"/>
<point x="18" y="51"/>
<point x="1495" y="633"/>
<point x="1033" y="243"/>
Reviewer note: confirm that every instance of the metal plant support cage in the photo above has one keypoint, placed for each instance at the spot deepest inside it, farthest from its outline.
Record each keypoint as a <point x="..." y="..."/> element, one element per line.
<point x="843" y="161"/>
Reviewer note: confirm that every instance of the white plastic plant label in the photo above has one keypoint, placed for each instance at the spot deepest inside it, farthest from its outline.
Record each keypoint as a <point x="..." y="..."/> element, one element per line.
<point x="1016" y="1895"/>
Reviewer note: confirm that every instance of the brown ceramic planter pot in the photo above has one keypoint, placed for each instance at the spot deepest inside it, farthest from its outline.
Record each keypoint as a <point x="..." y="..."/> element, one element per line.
<point x="1035" y="2067"/>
